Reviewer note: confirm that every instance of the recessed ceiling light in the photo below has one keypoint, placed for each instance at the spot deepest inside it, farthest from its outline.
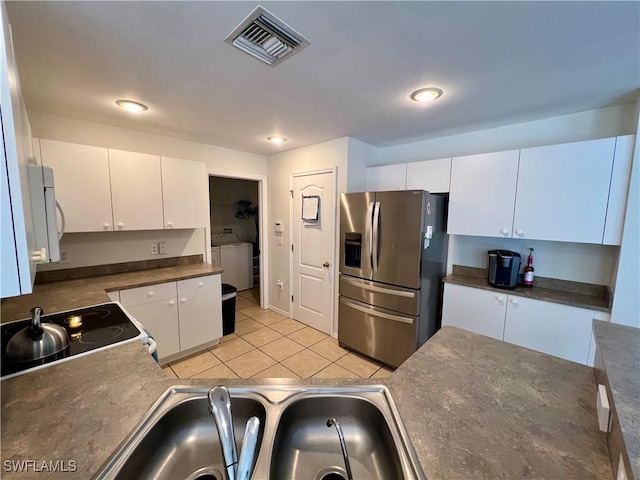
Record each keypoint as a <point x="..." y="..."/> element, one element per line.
<point x="277" y="140"/>
<point x="131" y="106"/>
<point x="426" y="94"/>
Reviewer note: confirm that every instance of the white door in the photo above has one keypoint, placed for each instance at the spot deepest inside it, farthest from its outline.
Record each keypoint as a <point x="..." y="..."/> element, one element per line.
<point x="136" y="191"/>
<point x="83" y="188"/>
<point x="563" y="191"/>
<point x="550" y="328"/>
<point x="313" y="250"/>
<point x="476" y="310"/>
<point x="482" y="194"/>
<point x="185" y="193"/>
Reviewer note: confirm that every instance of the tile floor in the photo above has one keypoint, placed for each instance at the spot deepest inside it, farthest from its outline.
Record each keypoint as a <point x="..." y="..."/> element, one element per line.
<point x="269" y="345"/>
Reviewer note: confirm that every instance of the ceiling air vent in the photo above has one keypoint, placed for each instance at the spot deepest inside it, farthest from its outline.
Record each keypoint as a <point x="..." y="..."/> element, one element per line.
<point x="266" y="37"/>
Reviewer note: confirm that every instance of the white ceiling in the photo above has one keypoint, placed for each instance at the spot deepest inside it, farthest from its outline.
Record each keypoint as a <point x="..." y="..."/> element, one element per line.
<point x="498" y="63"/>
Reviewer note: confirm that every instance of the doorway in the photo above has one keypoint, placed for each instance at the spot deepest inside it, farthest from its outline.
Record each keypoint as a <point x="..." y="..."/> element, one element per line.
<point x="237" y="205"/>
<point x="313" y="223"/>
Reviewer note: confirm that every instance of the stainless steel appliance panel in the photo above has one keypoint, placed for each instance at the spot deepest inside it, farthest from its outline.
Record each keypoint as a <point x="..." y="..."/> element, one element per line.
<point x="356" y="230"/>
<point x="397" y="237"/>
<point x="394" y="298"/>
<point x="378" y="333"/>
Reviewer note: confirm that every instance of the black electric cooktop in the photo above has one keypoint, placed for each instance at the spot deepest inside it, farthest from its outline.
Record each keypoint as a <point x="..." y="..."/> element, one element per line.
<point x="102" y="325"/>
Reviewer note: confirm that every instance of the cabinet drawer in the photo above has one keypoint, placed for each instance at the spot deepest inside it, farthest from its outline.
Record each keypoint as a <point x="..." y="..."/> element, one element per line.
<point x="192" y="285"/>
<point x="150" y="293"/>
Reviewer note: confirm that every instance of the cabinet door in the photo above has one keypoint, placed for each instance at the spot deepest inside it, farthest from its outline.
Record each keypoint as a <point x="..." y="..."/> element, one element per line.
<point x="563" y="191"/>
<point x="160" y="318"/>
<point x="476" y="310"/>
<point x="619" y="189"/>
<point x="432" y="175"/>
<point x="200" y="310"/>
<point x="482" y="194"/>
<point x="81" y="175"/>
<point x="387" y="178"/>
<point x="550" y="328"/>
<point x="136" y="191"/>
<point x="185" y="192"/>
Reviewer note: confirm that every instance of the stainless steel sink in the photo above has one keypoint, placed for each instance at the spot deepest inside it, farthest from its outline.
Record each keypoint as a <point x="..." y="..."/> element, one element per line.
<point x="177" y="438"/>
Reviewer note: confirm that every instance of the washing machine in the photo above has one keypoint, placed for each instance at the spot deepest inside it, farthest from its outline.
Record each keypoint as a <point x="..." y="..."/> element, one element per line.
<point x="235" y="257"/>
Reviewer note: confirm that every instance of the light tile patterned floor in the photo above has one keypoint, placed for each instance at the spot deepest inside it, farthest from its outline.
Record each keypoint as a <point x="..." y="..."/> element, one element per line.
<point x="269" y="345"/>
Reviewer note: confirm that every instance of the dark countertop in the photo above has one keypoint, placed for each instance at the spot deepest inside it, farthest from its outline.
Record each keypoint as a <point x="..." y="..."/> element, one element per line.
<point x="474" y="407"/>
<point x="70" y="294"/>
<point x="619" y="350"/>
<point x="538" y="293"/>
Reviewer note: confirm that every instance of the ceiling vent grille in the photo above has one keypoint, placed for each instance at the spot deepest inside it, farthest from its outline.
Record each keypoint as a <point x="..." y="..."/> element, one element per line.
<point x="266" y="37"/>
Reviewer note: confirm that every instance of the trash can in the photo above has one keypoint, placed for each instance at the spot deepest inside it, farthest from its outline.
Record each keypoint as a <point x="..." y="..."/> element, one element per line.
<point x="228" y="308"/>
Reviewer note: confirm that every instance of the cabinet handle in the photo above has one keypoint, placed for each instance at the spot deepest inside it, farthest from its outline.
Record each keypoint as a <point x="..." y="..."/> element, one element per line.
<point x="201" y="284"/>
<point x="169" y="224"/>
<point x="183" y="300"/>
<point x="519" y="232"/>
<point x="504" y="232"/>
<point x="150" y="294"/>
<point x="120" y="225"/>
<point x="514" y="301"/>
<point x="500" y="298"/>
<point x="172" y="303"/>
<point x="106" y="225"/>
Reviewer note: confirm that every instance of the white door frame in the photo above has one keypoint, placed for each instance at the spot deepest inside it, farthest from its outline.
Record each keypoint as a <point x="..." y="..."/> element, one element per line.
<point x="334" y="217"/>
<point x="262" y="240"/>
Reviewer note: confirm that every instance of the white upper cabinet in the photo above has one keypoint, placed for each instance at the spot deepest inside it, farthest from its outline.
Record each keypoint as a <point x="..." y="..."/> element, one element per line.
<point x="136" y="191"/>
<point x="563" y="191"/>
<point x="482" y="194"/>
<point x="550" y="328"/>
<point x="432" y="175"/>
<point x="185" y="192"/>
<point x="83" y="189"/>
<point x="387" y="178"/>
<point x="619" y="189"/>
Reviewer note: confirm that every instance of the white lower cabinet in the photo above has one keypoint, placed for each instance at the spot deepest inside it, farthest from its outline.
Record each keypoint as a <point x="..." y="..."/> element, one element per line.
<point x="551" y="328"/>
<point x="479" y="311"/>
<point x="179" y="315"/>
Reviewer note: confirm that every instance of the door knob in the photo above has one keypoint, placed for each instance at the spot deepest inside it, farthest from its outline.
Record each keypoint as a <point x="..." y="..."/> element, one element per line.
<point x="326" y="264"/>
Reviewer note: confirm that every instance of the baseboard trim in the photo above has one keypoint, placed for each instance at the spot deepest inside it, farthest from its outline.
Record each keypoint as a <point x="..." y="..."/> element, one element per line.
<point x="280" y="311"/>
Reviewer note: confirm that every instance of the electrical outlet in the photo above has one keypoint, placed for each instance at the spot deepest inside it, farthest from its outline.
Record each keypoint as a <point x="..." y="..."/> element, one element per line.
<point x="162" y="248"/>
<point x="64" y="256"/>
<point x="154" y="249"/>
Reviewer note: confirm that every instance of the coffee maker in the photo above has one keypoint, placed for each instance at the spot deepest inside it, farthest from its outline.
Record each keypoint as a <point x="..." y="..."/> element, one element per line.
<point x="504" y="266"/>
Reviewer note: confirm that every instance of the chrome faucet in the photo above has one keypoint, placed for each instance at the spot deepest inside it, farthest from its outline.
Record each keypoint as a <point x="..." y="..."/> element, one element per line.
<point x="220" y="408"/>
<point x="343" y="444"/>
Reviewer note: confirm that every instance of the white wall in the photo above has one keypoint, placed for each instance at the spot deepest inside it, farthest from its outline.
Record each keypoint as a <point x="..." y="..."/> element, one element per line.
<point x="360" y="155"/>
<point x="281" y="165"/>
<point x="626" y="299"/>
<point x="601" y="123"/>
<point x="102" y="248"/>
<point x="65" y="129"/>
<point x="578" y="262"/>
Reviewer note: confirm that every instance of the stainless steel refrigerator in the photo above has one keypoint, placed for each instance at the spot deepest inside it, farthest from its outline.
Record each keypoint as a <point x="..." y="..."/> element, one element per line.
<point x="393" y="249"/>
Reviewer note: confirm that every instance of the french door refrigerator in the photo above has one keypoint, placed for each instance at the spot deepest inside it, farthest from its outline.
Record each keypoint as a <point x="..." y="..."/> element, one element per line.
<point x="393" y="250"/>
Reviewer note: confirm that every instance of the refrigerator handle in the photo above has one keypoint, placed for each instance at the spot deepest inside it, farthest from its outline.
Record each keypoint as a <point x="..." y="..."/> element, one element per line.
<point x="376" y="235"/>
<point x="368" y="235"/>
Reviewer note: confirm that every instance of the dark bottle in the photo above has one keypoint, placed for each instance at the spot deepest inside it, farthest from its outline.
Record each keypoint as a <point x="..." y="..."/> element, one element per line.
<point x="528" y="270"/>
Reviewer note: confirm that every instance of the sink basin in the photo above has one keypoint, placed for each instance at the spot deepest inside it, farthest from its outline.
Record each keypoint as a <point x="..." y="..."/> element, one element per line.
<point x="177" y="438"/>
<point x="304" y="447"/>
<point x="181" y="441"/>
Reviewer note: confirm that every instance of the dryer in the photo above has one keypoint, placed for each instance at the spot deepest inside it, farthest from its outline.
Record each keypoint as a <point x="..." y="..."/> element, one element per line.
<point x="235" y="257"/>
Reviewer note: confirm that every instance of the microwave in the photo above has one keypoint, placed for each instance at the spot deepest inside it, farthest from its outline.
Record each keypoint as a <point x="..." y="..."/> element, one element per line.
<point x="44" y="209"/>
